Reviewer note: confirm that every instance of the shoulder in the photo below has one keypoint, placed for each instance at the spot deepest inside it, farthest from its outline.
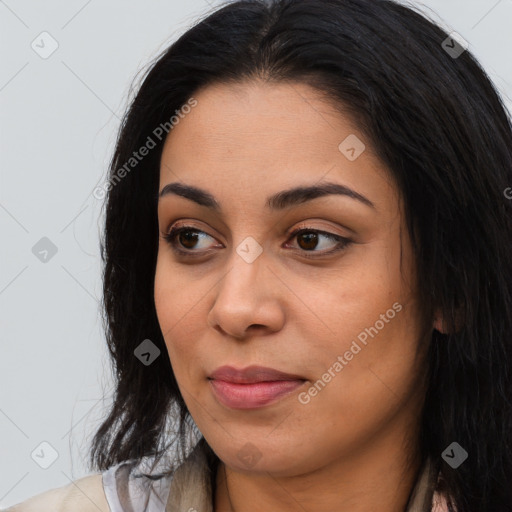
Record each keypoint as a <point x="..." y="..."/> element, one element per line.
<point x="82" y="495"/>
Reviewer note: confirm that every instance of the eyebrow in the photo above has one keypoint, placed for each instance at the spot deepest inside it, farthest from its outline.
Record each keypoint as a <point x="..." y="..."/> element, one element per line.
<point x="279" y="201"/>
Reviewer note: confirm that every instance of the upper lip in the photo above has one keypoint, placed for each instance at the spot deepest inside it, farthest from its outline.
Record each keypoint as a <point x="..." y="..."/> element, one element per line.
<point x="251" y="374"/>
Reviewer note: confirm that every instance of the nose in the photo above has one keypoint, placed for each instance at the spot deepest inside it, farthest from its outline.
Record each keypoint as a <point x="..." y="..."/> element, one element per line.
<point x="248" y="299"/>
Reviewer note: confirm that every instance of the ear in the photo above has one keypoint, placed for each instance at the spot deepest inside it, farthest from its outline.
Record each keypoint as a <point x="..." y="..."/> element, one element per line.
<point x="440" y="325"/>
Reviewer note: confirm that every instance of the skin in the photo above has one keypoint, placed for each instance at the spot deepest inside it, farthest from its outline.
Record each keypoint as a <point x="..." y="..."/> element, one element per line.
<point x="353" y="446"/>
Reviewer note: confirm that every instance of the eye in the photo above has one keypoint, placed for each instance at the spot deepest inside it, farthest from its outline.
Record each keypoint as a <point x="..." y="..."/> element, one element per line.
<point x="309" y="239"/>
<point x="188" y="236"/>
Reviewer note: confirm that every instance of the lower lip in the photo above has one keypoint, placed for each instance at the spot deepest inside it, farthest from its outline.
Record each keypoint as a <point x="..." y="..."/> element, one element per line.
<point x="250" y="396"/>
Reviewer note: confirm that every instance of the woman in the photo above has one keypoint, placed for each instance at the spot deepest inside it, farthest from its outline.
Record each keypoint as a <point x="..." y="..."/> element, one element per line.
<point x="308" y="282"/>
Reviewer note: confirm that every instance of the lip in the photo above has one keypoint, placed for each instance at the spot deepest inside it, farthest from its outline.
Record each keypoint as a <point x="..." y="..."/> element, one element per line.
<point x="252" y="387"/>
<point x="251" y="374"/>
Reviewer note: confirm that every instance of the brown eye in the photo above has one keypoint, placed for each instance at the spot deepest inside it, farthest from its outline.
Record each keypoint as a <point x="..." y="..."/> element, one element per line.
<point x="184" y="241"/>
<point x="186" y="237"/>
<point x="309" y="239"/>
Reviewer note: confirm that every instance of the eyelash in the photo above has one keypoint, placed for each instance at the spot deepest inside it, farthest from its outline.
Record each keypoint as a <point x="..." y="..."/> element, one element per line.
<point x="343" y="242"/>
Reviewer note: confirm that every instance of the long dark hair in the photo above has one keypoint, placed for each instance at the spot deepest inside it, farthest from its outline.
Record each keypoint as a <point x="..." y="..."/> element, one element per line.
<point x="435" y="119"/>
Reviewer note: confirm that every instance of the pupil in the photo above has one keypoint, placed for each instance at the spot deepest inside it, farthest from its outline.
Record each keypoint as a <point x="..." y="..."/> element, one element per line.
<point x="310" y="238"/>
<point x="192" y="238"/>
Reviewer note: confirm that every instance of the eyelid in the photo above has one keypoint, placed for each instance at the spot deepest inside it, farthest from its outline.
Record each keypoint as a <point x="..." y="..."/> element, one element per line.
<point x="303" y="226"/>
<point x="342" y="242"/>
<point x="306" y="225"/>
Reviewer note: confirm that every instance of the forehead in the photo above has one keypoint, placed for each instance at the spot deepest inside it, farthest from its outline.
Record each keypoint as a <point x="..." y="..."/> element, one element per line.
<point x="258" y="136"/>
<point x="230" y="119"/>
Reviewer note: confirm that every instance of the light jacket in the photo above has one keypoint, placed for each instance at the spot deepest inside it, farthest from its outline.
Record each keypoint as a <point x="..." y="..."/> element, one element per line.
<point x="119" y="489"/>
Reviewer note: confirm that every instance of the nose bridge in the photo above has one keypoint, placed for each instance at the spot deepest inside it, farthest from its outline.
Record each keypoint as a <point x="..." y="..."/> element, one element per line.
<point x="246" y="265"/>
<point x="245" y="296"/>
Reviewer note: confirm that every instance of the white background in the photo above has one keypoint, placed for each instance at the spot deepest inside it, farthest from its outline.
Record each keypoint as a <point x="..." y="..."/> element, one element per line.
<point x="59" y="118"/>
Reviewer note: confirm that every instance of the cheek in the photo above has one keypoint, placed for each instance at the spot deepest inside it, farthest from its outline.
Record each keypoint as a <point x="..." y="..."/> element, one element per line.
<point x="364" y="354"/>
<point x="170" y="310"/>
<point x="165" y="299"/>
<point x="353" y="303"/>
<point x="354" y="399"/>
<point x="180" y="309"/>
<point x="176" y="300"/>
<point x="367" y="343"/>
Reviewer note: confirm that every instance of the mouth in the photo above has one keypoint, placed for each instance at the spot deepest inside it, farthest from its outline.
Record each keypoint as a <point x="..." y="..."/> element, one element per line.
<point x="252" y="387"/>
<point x="252" y="375"/>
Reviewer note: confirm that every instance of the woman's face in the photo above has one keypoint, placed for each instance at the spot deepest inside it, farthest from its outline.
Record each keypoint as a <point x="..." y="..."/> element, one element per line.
<point x="245" y="292"/>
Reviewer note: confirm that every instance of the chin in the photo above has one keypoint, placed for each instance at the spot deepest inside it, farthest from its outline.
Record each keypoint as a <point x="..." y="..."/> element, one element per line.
<point x="262" y="456"/>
